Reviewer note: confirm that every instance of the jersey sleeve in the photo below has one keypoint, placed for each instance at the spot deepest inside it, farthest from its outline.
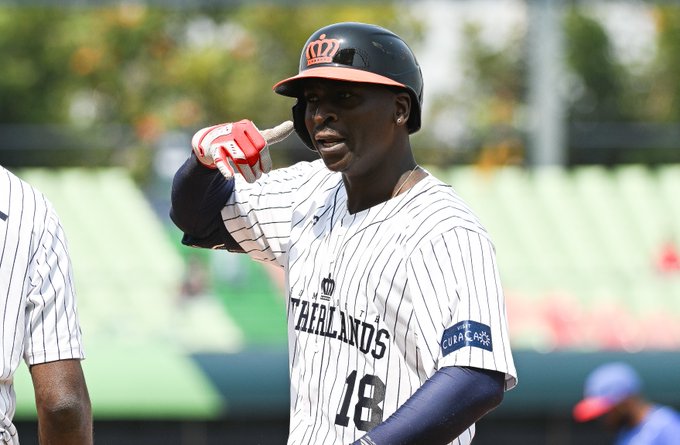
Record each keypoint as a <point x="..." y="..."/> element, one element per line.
<point x="459" y="304"/>
<point x="258" y="216"/>
<point x="52" y="329"/>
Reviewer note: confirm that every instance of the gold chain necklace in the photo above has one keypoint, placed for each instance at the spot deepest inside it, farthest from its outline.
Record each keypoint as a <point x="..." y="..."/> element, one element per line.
<point x="405" y="181"/>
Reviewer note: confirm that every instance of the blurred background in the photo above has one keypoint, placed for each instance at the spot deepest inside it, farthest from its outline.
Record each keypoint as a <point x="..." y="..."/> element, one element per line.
<point x="558" y="121"/>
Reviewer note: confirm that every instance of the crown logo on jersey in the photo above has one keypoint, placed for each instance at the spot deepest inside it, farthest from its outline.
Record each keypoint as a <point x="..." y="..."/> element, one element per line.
<point x="327" y="287"/>
<point x="321" y="50"/>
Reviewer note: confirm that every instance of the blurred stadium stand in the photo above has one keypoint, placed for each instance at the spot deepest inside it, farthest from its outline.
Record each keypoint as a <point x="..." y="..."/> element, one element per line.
<point x="585" y="255"/>
<point x="578" y="247"/>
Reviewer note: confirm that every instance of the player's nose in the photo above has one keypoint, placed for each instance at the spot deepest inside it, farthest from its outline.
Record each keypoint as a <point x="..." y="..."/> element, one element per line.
<point x="323" y="111"/>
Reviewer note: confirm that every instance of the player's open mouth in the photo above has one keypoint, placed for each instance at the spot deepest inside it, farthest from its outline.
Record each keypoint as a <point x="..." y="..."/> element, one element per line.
<point x="328" y="143"/>
<point x="327" y="139"/>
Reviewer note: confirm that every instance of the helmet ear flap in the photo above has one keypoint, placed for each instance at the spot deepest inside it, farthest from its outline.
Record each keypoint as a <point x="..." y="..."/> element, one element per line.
<point x="299" y="123"/>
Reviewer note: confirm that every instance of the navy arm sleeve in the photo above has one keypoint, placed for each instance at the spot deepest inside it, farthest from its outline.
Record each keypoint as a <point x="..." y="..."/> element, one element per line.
<point x="442" y="409"/>
<point x="197" y="198"/>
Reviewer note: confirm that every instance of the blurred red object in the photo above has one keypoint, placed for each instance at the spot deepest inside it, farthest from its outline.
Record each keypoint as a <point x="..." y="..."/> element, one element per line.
<point x="669" y="258"/>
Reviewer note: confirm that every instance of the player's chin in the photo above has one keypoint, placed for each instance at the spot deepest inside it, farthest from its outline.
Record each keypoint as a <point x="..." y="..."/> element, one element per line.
<point x="336" y="161"/>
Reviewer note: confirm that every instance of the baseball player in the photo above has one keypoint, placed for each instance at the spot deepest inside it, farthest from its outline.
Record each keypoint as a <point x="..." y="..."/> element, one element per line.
<point x="613" y="394"/>
<point x="396" y="316"/>
<point x="38" y="317"/>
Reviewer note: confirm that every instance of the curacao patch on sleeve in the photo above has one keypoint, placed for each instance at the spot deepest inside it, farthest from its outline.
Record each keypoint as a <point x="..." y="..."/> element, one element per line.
<point x="466" y="333"/>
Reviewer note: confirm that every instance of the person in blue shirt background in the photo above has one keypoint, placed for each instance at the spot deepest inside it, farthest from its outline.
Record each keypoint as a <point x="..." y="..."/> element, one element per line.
<point x="613" y="394"/>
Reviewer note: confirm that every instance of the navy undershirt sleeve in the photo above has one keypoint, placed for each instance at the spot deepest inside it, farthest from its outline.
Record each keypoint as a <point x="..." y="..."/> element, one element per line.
<point x="442" y="409"/>
<point x="197" y="198"/>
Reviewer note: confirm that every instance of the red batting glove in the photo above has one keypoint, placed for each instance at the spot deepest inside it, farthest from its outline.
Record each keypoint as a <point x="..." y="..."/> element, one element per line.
<point x="239" y="144"/>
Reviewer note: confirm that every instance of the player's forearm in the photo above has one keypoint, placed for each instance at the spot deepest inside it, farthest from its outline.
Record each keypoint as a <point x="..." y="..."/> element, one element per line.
<point x="198" y="195"/>
<point x="442" y="409"/>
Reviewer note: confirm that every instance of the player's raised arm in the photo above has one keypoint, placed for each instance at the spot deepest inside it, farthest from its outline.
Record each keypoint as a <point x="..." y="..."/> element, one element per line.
<point x="204" y="182"/>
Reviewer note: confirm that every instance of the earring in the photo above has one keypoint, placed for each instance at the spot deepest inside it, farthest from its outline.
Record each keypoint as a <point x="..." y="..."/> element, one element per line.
<point x="399" y="120"/>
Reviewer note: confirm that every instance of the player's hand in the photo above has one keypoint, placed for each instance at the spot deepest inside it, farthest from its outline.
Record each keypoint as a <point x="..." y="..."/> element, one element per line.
<point x="238" y="145"/>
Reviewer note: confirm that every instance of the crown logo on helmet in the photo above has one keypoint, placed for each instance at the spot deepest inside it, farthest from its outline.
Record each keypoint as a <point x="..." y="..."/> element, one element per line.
<point x="321" y="50"/>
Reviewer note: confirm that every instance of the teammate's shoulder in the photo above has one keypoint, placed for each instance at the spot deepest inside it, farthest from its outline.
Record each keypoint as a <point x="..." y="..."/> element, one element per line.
<point x="20" y="185"/>
<point x="7" y="175"/>
<point x="38" y="210"/>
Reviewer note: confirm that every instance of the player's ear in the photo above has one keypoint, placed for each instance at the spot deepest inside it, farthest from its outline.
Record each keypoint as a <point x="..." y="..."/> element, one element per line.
<point x="402" y="109"/>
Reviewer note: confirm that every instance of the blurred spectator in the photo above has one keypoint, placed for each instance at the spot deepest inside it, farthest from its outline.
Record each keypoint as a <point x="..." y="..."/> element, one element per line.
<point x="669" y="258"/>
<point x="613" y="393"/>
<point x="195" y="282"/>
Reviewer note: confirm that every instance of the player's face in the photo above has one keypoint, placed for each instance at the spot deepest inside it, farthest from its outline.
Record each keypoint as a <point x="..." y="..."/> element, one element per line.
<point x="352" y="125"/>
<point x="619" y="417"/>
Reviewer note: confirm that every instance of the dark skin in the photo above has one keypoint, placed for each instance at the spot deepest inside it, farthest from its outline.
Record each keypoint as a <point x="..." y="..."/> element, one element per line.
<point x="626" y="414"/>
<point x="360" y="130"/>
<point x="63" y="403"/>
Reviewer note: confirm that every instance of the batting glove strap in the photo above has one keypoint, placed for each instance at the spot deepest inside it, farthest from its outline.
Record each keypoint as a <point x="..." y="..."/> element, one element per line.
<point x="202" y="139"/>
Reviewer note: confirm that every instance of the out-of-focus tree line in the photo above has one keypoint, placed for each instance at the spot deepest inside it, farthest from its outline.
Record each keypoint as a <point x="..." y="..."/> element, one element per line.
<point x="93" y="77"/>
<point x="110" y="81"/>
<point x="616" y="111"/>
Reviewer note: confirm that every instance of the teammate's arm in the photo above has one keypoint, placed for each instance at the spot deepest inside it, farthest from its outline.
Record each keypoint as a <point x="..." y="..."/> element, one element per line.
<point x="63" y="403"/>
<point x="53" y="344"/>
<point x="443" y="408"/>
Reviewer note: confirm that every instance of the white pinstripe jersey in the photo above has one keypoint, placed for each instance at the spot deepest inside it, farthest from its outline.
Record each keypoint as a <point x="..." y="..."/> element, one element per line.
<point x="37" y="304"/>
<point x="377" y="300"/>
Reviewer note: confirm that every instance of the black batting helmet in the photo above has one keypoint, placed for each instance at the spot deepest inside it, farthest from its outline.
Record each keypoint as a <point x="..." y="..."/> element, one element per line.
<point x="356" y="52"/>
